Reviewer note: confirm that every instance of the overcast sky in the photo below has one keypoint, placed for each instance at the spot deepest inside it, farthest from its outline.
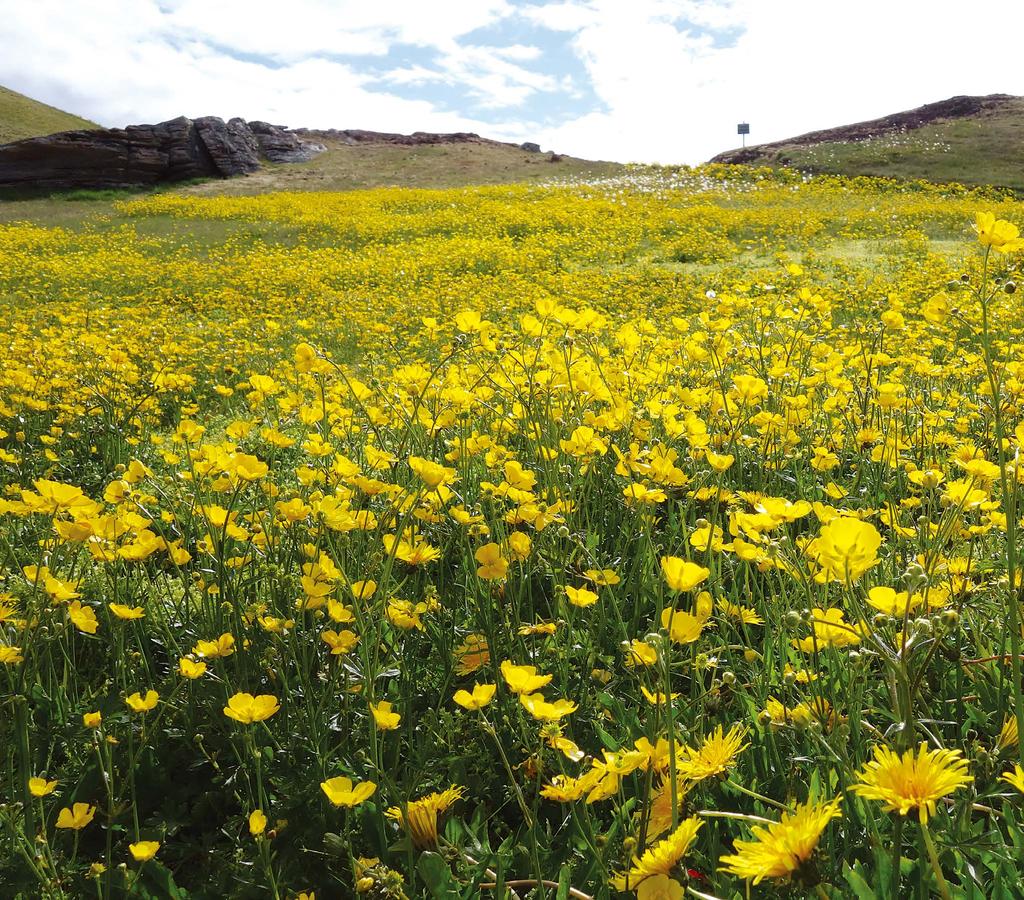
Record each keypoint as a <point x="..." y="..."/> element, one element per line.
<point x="642" y="80"/>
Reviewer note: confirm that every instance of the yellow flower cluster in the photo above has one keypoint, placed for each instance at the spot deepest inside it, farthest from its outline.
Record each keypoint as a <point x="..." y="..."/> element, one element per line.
<point x="661" y="498"/>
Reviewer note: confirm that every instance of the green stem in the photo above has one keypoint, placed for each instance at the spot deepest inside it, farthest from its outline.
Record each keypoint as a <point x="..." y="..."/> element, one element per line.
<point x="933" y="858"/>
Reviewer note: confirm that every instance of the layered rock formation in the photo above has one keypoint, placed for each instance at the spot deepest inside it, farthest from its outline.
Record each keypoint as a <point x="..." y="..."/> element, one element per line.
<point x="149" y="154"/>
<point x="356" y="136"/>
<point x="416" y="139"/>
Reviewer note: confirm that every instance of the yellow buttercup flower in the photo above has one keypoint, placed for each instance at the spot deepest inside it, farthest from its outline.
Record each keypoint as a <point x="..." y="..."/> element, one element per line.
<point x="385" y="719"/>
<point x="912" y="781"/>
<point x="83" y="617"/>
<point x="493" y="566"/>
<point x="342" y="792"/>
<point x="257" y="822"/>
<point x="830" y="630"/>
<point x="640" y="653"/>
<point x="76" y="818"/>
<point x="845" y="549"/>
<point x="581" y="596"/>
<point x="247" y="709"/>
<point x="142" y="851"/>
<point x="190" y="669"/>
<point x="541" y="709"/>
<point x="40" y="787"/>
<point x="523" y="679"/>
<point x="482" y="695"/>
<point x="222" y="646"/>
<point x="682" y="575"/>
<point x="887" y="600"/>
<point x="682" y="627"/>
<point x="997" y="233"/>
<point x="431" y="473"/>
<point x="127" y="613"/>
<point x="340" y="642"/>
<point x="139" y="703"/>
<point x="607" y="577"/>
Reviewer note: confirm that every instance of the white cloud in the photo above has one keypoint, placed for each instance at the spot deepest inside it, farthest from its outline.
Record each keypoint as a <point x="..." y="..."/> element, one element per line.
<point x="660" y="81"/>
<point x="303" y="28"/>
<point x="671" y="95"/>
<point x="127" y="61"/>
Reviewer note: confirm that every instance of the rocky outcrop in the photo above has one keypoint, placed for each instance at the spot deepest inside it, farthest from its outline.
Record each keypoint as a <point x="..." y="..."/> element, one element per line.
<point x="176" y="150"/>
<point x="354" y="136"/>
<point x="277" y="144"/>
<point x="960" y="107"/>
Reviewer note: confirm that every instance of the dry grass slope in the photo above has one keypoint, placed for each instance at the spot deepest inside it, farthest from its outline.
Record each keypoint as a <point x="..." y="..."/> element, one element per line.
<point x="344" y="167"/>
<point x="22" y="117"/>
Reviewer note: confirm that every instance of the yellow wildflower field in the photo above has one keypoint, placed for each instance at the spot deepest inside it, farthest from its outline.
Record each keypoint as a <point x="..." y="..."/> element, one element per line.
<point x="655" y="536"/>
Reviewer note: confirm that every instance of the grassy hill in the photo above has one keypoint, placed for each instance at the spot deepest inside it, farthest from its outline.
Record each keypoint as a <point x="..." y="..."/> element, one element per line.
<point x="971" y="140"/>
<point x="23" y="117"/>
<point x="344" y="167"/>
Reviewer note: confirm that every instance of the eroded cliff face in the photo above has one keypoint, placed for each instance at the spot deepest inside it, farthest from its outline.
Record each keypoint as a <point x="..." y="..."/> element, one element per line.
<point x="176" y="150"/>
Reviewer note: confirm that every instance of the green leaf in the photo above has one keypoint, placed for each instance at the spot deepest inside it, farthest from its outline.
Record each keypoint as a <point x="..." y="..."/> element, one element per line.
<point x="158" y="878"/>
<point x="436" y="875"/>
<point x="563" y="883"/>
<point x="861" y="889"/>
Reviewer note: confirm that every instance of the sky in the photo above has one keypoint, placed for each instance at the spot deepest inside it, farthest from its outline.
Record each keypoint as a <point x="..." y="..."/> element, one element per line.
<point x="629" y="80"/>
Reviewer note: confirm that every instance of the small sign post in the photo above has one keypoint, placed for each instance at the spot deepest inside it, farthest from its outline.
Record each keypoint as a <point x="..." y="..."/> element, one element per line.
<point x="743" y="129"/>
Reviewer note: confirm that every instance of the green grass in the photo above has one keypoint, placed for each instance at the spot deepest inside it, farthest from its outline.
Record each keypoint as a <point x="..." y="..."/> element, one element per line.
<point x="22" y="117"/>
<point x="986" y="149"/>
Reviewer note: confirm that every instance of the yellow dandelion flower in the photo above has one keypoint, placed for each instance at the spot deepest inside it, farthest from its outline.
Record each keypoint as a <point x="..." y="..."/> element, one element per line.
<point x="1014" y="778"/>
<point x="420" y="816"/>
<point x="912" y="781"/>
<point x="661" y="858"/>
<point x="782" y="847"/>
<point x="715" y="755"/>
<point x="1008" y="735"/>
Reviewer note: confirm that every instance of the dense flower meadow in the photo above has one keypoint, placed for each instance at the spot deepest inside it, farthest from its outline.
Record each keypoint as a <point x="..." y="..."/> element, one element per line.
<point x="652" y="537"/>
